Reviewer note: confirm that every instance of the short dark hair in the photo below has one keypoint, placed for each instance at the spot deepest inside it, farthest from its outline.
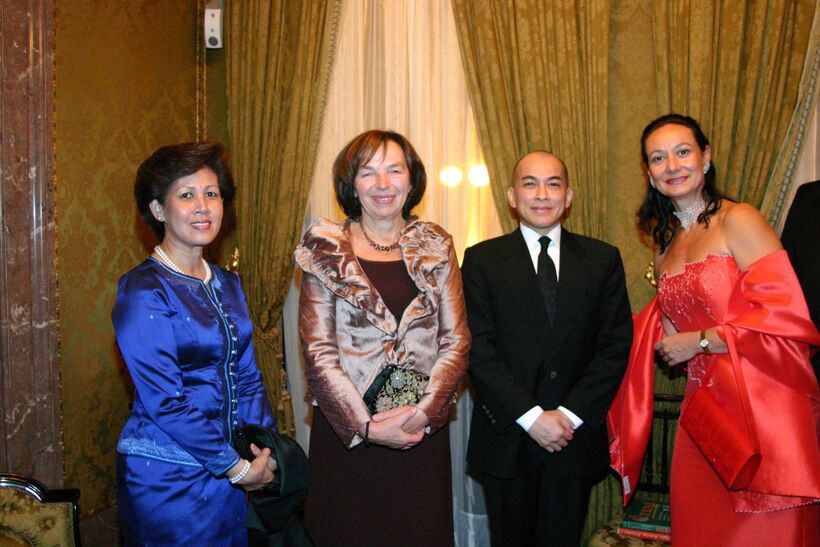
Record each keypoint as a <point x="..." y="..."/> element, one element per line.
<point x="361" y="150"/>
<point x="655" y="215"/>
<point x="168" y="164"/>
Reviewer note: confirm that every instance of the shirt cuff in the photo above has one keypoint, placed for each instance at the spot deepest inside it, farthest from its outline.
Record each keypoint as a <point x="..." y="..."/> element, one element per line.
<point x="528" y="418"/>
<point x="576" y="421"/>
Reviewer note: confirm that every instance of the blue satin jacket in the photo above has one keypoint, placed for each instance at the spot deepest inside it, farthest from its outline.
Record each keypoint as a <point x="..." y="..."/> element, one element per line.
<point x="189" y="349"/>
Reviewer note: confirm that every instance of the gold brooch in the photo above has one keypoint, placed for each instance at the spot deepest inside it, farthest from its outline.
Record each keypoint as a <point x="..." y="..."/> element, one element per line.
<point x="649" y="274"/>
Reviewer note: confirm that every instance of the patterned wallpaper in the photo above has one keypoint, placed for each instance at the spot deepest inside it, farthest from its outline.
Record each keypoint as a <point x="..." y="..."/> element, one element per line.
<point x="125" y="84"/>
<point x="631" y="86"/>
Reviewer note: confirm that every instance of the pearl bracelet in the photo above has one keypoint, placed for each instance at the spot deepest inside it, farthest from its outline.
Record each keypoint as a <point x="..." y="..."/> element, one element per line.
<point x="241" y="475"/>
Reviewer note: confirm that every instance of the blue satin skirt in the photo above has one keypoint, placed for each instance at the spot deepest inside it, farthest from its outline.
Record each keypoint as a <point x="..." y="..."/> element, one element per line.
<point x="165" y="504"/>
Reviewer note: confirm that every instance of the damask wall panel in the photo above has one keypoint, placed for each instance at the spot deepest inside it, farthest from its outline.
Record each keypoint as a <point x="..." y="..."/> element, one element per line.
<point x="632" y="92"/>
<point x="29" y="379"/>
<point x="126" y="81"/>
<point x="215" y="128"/>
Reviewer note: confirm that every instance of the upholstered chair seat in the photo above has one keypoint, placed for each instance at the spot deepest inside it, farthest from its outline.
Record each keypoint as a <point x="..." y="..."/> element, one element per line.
<point x="31" y="514"/>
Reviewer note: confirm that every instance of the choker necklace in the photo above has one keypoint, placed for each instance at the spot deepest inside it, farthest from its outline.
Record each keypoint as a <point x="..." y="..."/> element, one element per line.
<point x="382" y="248"/>
<point x="689" y="216"/>
<point x="170" y="263"/>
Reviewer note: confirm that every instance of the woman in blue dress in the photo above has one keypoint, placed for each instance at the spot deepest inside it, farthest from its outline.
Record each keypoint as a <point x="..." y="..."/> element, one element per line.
<point x="183" y="328"/>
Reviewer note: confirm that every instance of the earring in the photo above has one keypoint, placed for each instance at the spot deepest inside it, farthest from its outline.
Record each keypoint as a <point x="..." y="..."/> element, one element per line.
<point x="157" y="210"/>
<point x="706" y="166"/>
<point x="651" y="181"/>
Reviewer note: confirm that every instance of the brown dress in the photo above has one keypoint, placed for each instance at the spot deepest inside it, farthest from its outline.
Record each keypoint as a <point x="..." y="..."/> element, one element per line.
<point x="377" y="495"/>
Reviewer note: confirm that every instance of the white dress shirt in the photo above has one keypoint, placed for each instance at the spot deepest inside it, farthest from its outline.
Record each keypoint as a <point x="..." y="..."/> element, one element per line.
<point x="531" y="238"/>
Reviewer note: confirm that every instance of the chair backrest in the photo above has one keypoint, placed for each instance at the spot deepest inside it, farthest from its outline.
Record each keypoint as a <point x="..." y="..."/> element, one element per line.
<point x="35" y="515"/>
<point x="655" y="475"/>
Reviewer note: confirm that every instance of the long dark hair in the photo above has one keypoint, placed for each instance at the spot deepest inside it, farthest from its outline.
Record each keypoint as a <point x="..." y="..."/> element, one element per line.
<point x="655" y="215"/>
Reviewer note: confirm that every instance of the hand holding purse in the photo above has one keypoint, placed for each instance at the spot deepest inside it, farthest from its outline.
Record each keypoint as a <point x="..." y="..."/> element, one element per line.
<point x="395" y="386"/>
<point x="728" y="442"/>
<point x="730" y="449"/>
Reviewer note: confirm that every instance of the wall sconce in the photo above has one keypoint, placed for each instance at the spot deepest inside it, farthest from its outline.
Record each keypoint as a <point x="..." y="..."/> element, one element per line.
<point x="478" y="175"/>
<point x="452" y="176"/>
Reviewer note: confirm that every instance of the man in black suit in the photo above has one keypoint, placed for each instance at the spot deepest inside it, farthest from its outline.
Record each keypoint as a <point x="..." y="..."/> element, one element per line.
<point x="801" y="239"/>
<point x="551" y="328"/>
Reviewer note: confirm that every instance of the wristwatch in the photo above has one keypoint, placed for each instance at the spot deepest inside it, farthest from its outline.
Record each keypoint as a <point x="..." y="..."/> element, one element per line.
<point x="704" y="342"/>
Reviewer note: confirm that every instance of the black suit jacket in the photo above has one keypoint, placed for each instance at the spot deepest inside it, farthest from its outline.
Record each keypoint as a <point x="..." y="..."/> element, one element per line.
<point x="801" y="239"/>
<point x="517" y="361"/>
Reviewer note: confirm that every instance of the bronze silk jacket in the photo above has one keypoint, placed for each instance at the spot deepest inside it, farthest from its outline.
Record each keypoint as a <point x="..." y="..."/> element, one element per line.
<point x="349" y="336"/>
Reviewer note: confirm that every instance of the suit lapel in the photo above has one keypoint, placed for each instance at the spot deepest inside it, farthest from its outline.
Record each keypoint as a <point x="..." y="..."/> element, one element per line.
<point x="571" y="283"/>
<point x="520" y="275"/>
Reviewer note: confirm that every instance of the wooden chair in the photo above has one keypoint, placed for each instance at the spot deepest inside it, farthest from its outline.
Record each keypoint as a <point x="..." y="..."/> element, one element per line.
<point x="654" y="481"/>
<point x="31" y="514"/>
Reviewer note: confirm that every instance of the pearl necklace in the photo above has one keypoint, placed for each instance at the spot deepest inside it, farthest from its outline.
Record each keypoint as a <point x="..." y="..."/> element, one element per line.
<point x="170" y="263"/>
<point x="689" y="216"/>
<point x="382" y="248"/>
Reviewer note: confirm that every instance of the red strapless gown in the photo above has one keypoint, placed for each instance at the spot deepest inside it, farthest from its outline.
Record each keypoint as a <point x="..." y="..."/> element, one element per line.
<point x="703" y="510"/>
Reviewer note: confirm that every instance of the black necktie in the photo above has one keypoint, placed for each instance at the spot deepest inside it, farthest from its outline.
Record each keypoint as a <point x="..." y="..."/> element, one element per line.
<point x="547" y="278"/>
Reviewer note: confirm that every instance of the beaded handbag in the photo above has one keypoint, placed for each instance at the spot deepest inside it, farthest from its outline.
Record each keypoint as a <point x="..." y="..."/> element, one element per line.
<point x="395" y="386"/>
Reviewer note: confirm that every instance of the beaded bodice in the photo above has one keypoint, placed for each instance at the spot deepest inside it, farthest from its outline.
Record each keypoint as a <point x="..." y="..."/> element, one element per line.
<point x="697" y="298"/>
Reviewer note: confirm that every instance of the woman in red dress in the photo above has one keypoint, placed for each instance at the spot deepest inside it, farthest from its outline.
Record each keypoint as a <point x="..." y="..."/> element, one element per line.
<point x="746" y="464"/>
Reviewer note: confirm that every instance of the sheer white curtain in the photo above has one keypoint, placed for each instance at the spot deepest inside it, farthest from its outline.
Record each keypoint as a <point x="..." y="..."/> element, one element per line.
<point x="398" y="67"/>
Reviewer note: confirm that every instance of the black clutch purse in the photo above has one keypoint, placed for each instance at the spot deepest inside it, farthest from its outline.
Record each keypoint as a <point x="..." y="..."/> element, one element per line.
<point x="395" y="386"/>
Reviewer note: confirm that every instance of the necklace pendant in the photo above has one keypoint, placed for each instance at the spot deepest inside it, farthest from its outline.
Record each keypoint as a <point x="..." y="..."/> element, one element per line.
<point x="382" y="248"/>
<point x="689" y="216"/>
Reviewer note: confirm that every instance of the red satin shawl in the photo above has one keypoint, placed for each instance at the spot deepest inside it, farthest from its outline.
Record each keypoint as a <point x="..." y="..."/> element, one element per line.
<point x="769" y="332"/>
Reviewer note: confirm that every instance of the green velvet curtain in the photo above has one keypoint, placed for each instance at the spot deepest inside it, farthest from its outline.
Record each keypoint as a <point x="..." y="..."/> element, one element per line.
<point x="537" y="76"/>
<point x="782" y="176"/>
<point x="279" y="62"/>
<point x="736" y="68"/>
<point x="582" y="78"/>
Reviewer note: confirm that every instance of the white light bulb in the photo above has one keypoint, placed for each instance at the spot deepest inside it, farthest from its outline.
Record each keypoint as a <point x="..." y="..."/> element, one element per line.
<point x="478" y="175"/>
<point x="451" y="176"/>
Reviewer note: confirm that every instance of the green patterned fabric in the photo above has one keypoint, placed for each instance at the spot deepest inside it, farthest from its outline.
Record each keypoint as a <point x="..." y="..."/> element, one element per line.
<point x="537" y="74"/>
<point x="26" y="521"/>
<point x="736" y="67"/>
<point x="123" y="88"/>
<point x="279" y="61"/>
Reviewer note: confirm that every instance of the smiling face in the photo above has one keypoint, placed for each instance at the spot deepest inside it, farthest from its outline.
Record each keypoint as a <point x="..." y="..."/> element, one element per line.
<point x="675" y="161"/>
<point x="383" y="183"/>
<point x="192" y="211"/>
<point x="540" y="192"/>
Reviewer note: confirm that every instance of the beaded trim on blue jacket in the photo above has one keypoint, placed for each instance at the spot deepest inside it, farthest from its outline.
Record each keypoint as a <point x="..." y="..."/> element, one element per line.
<point x="170" y="453"/>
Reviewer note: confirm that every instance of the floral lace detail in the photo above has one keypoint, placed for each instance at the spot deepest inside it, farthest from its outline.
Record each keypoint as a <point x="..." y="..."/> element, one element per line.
<point x="666" y="274"/>
<point x="695" y="298"/>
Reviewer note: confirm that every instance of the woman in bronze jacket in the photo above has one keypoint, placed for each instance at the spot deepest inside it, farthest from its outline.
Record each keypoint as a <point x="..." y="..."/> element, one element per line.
<point x="385" y="338"/>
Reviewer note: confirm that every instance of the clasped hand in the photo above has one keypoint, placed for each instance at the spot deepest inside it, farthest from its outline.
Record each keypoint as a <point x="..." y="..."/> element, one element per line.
<point x="678" y="347"/>
<point x="552" y="430"/>
<point x="261" y="473"/>
<point x="401" y="427"/>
